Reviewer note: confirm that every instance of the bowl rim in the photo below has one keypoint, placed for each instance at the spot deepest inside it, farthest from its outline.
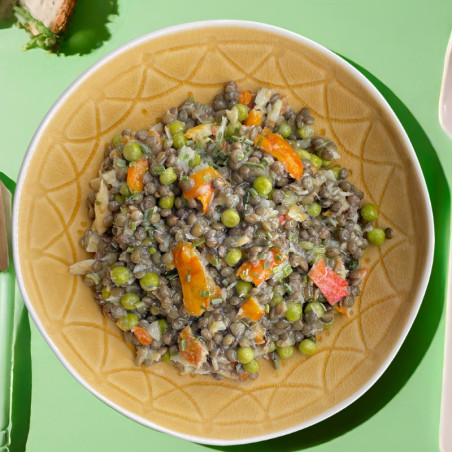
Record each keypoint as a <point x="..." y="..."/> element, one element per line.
<point x="344" y="65"/>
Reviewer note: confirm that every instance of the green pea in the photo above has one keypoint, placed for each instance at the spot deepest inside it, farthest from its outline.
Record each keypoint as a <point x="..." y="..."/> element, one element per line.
<point x="120" y="275"/>
<point x="263" y="185"/>
<point x="336" y="170"/>
<point x="314" y="209"/>
<point x="304" y="154"/>
<point x="179" y="140"/>
<point x="284" y="129"/>
<point x="233" y="257"/>
<point x="316" y="161"/>
<point x="245" y="355"/>
<point x="166" y="202"/>
<point x="106" y="293"/>
<point x="305" y="132"/>
<point x="376" y="236"/>
<point x="128" y="321"/>
<point x="316" y="307"/>
<point x="284" y="352"/>
<point x="307" y="347"/>
<point x="116" y="140"/>
<point x="163" y="325"/>
<point x="129" y="300"/>
<point x="230" y="218"/>
<point x="252" y="367"/>
<point x="276" y="299"/>
<point x="168" y="177"/>
<point x="196" y="160"/>
<point x="293" y="312"/>
<point x="149" y="281"/>
<point x="131" y="151"/>
<point x="326" y="163"/>
<point x="369" y="212"/>
<point x="242" y="288"/>
<point x="233" y="128"/>
<point x="242" y="111"/>
<point x="176" y="127"/>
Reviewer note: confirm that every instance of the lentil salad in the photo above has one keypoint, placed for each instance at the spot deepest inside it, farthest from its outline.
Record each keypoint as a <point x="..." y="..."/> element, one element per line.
<point x="225" y="233"/>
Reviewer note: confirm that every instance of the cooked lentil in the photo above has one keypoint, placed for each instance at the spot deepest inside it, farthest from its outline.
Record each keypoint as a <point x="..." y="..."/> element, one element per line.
<point x="207" y="260"/>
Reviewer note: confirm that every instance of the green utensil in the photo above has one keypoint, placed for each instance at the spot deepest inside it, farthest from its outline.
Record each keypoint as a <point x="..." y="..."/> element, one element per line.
<point x="15" y="357"/>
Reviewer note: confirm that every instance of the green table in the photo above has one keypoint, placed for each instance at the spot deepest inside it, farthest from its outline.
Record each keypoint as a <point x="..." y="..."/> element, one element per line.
<point x="400" y="46"/>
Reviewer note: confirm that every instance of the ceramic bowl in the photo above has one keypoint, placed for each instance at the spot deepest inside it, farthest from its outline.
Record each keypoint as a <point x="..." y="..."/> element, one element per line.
<point x="133" y="86"/>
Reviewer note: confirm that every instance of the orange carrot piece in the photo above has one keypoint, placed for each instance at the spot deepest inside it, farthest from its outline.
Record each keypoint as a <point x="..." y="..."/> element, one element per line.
<point x="254" y="118"/>
<point x="343" y="310"/>
<point x="246" y="98"/>
<point x="135" y="174"/>
<point x="278" y="147"/>
<point x="251" y="309"/>
<point x="203" y="188"/>
<point x="260" y="270"/>
<point x="190" y="349"/>
<point x="142" y="335"/>
<point x="198" y="287"/>
<point x="157" y="135"/>
<point x="333" y="287"/>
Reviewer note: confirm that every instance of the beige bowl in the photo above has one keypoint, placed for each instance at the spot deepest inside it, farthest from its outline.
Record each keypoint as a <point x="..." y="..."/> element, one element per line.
<point x="131" y="88"/>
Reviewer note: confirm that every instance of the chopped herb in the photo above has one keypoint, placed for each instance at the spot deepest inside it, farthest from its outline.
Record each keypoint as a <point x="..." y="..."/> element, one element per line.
<point x="261" y="256"/>
<point x="184" y="178"/>
<point x="215" y="261"/>
<point x="130" y="249"/>
<point x="255" y="165"/>
<point x="191" y="99"/>
<point x="293" y="236"/>
<point x="289" y="289"/>
<point x="259" y="143"/>
<point x="158" y="170"/>
<point x="132" y="164"/>
<point x="136" y="195"/>
<point x="287" y="270"/>
<point x="98" y="203"/>
<point x="268" y="234"/>
<point x="276" y="364"/>
<point x="353" y="265"/>
<point x="259" y="235"/>
<point x="204" y="293"/>
<point x="133" y="226"/>
<point x="264" y="162"/>
<point x="199" y="242"/>
<point x="256" y="275"/>
<point x="253" y="192"/>
<point x="240" y="156"/>
<point x="188" y="278"/>
<point x="207" y="177"/>
<point x="183" y="345"/>
<point x="266" y="266"/>
<point x="220" y="136"/>
<point x="197" y="338"/>
<point x="267" y="308"/>
<point x="246" y="207"/>
<point x="217" y="301"/>
<point x="146" y="216"/>
<point x="172" y="276"/>
<point x="278" y="257"/>
<point x="222" y="155"/>
<point x="189" y="143"/>
<point x="225" y="282"/>
<point x="121" y="163"/>
<point x="246" y="197"/>
<point x="245" y="273"/>
<point x="152" y="250"/>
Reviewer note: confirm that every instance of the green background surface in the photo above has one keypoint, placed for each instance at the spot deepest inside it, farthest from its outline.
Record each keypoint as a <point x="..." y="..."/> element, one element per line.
<point x="399" y="45"/>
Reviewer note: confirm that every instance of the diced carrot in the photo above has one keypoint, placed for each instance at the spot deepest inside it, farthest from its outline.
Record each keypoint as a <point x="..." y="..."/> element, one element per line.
<point x="342" y="309"/>
<point x="260" y="270"/>
<point x="278" y="147"/>
<point x="251" y="309"/>
<point x="254" y="118"/>
<point x="142" y="335"/>
<point x="259" y="331"/>
<point x="246" y="98"/>
<point x="333" y="287"/>
<point x="135" y="174"/>
<point x="190" y="349"/>
<point x="244" y="376"/>
<point x="157" y="135"/>
<point x="203" y="188"/>
<point x="199" y="132"/>
<point x="198" y="287"/>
